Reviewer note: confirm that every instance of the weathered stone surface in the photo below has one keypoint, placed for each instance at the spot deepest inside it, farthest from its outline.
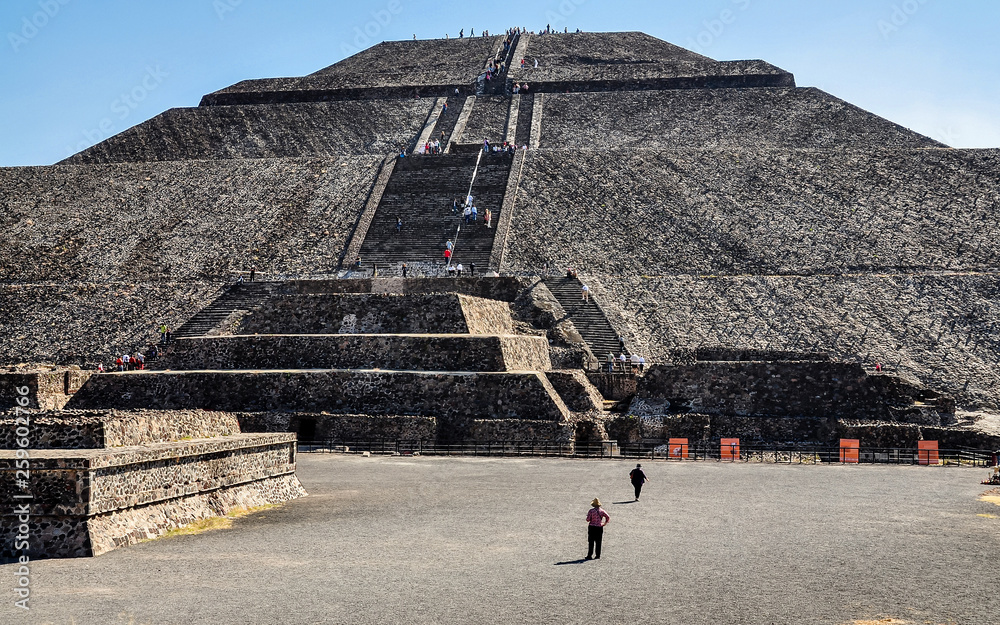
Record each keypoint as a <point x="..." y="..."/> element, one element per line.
<point x="47" y="389"/>
<point x="377" y="313"/>
<point x="486" y="316"/>
<point x="457" y="395"/>
<point x="356" y="314"/>
<point x="487" y="121"/>
<point x="521" y="430"/>
<point x="707" y="119"/>
<point x="760" y="212"/>
<point x="135" y="223"/>
<point x="321" y="129"/>
<point x="87" y="323"/>
<point x="938" y="330"/>
<point x="630" y="60"/>
<point x="576" y="390"/>
<point x="73" y="488"/>
<point x="341" y="427"/>
<point x="72" y="429"/>
<point x="400" y="352"/>
<point x="429" y="67"/>
<point x="797" y="389"/>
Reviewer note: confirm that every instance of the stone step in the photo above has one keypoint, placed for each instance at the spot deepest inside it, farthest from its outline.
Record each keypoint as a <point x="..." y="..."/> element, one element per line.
<point x="237" y="297"/>
<point x="589" y="319"/>
<point x="421" y="193"/>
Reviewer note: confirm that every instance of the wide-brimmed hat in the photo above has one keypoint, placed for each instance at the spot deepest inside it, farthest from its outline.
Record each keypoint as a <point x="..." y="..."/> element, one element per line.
<point x="638" y="466"/>
<point x="596" y="503"/>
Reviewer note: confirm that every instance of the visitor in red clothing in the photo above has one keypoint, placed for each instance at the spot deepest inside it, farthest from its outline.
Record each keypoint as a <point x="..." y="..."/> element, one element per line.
<point x="597" y="518"/>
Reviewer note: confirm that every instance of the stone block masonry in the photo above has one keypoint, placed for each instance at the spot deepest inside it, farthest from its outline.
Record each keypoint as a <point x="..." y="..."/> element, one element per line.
<point x="73" y="429"/>
<point x="935" y="329"/>
<point x="786" y="389"/>
<point x="401" y="352"/>
<point x="716" y="118"/>
<point x="363" y="313"/>
<point x="88" y="502"/>
<point x="452" y="395"/>
<point x="756" y="212"/>
<point x="47" y="390"/>
<point x="321" y="129"/>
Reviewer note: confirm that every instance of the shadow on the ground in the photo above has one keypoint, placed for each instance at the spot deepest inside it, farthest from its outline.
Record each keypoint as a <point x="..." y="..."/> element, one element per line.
<point x="620" y="503"/>
<point x="580" y="561"/>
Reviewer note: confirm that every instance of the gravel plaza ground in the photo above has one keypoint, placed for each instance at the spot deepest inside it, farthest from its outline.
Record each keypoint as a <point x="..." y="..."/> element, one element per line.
<point x="472" y="540"/>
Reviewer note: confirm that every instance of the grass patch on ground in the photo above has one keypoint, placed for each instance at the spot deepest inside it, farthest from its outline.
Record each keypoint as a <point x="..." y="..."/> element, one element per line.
<point x="216" y="522"/>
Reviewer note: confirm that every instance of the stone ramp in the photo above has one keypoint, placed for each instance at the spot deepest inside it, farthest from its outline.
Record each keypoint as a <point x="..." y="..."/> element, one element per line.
<point x="589" y="319"/>
<point x="420" y="192"/>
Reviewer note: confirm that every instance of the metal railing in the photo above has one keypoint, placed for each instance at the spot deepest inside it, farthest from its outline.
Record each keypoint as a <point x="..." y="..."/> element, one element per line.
<point x="658" y="451"/>
<point x="802" y="454"/>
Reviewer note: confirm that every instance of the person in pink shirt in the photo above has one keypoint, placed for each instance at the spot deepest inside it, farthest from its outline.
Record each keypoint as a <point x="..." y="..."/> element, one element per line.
<point x="597" y="518"/>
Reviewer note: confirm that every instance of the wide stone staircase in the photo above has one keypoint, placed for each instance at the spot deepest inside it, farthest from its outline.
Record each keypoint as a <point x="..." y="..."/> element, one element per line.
<point x="243" y="296"/>
<point x="420" y="192"/>
<point x="589" y="319"/>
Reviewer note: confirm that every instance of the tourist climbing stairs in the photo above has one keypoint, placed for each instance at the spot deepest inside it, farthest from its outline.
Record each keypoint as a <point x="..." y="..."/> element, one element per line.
<point x="420" y="192"/>
<point x="499" y="82"/>
<point x="237" y="297"/>
<point x="589" y="319"/>
<point x="448" y="120"/>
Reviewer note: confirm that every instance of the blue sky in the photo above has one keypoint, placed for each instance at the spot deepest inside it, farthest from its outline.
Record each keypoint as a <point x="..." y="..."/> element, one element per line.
<point x="76" y="71"/>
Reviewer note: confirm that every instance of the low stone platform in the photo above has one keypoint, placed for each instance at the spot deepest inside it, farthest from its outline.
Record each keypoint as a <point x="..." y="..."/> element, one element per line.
<point x="89" y="501"/>
<point x="459" y="395"/>
<point x="92" y="429"/>
<point x="48" y="389"/>
<point x="788" y="389"/>
<point x="409" y="352"/>
<point x="375" y="313"/>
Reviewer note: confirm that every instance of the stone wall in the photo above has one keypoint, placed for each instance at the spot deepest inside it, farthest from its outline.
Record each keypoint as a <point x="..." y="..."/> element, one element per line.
<point x="936" y="329"/>
<point x="86" y="323"/>
<point x="341" y="427"/>
<point x="321" y="129"/>
<point x="813" y="389"/>
<point x="356" y="314"/>
<point x="73" y="429"/>
<point x="521" y="430"/>
<point x="453" y="395"/>
<point x="47" y="390"/>
<point x="487" y="121"/>
<point x="576" y="390"/>
<point x="486" y="316"/>
<point x="360" y="351"/>
<point x="87" y="502"/>
<point x="429" y="67"/>
<point x="145" y="223"/>
<point x="616" y="386"/>
<point x="758" y="212"/>
<point x="716" y="118"/>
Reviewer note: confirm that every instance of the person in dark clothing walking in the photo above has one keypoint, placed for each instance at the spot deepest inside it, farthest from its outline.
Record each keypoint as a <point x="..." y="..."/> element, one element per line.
<point x="253" y="272"/>
<point x="638" y="479"/>
<point x="597" y="518"/>
<point x="404" y="269"/>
